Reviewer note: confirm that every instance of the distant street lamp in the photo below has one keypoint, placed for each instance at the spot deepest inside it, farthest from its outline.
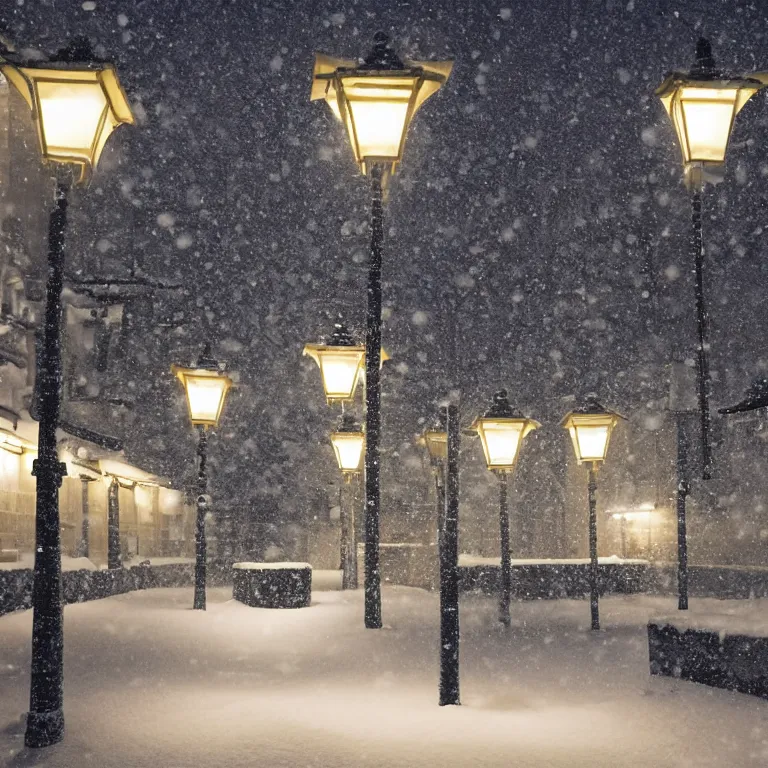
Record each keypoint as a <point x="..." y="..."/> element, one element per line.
<point x="590" y="427"/>
<point x="206" y="387"/>
<point x="76" y="103"/>
<point x="348" y="443"/>
<point x="376" y="101"/>
<point x="703" y="105"/>
<point x="501" y="430"/>
<point x="435" y="439"/>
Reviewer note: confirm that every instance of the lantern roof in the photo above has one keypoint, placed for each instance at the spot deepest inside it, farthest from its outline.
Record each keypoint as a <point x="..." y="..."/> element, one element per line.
<point x="590" y="406"/>
<point x="756" y="397"/>
<point x="207" y="362"/>
<point x="704" y="70"/>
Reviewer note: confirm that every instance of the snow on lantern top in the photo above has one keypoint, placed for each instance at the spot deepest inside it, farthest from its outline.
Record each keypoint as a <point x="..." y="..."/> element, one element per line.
<point x="206" y="387"/>
<point x="702" y="105"/>
<point x="590" y="427"/>
<point x="376" y="100"/>
<point x="76" y="102"/>
<point x="501" y="430"/>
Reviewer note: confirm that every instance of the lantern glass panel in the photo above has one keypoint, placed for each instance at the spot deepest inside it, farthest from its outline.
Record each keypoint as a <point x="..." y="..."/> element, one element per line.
<point x="590" y="442"/>
<point x="501" y="441"/>
<point x="437" y="444"/>
<point x="206" y="397"/>
<point x="340" y="369"/>
<point x="705" y="117"/>
<point x="377" y="114"/>
<point x="348" y="447"/>
<point x="72" y="115"/>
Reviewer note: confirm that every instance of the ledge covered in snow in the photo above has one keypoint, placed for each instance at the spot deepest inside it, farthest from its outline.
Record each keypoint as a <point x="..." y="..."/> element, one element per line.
<point x="270" y="566"/>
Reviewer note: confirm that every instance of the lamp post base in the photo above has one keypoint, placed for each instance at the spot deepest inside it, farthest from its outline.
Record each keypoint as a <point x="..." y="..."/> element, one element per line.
<point x="44" y="728"/>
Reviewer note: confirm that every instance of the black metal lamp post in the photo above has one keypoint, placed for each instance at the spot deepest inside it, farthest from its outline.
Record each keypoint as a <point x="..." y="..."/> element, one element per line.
<point x="206" y="387"/>
<point x="74" y="117"/>
<point x="590" y="427"/>
<point x="682" y="406"/>
<point x="449" y="568"/>
<point x="376" y="101"/>
<point x="348" y="443"/>
<point x="501" y="430"/>
<point x="703" y="105"/>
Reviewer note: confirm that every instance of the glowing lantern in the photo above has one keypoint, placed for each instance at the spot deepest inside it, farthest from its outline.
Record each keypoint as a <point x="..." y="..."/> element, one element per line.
<point x="590" y="427"/>
<point x="702" y="105"/>
<point x="348" y="443"/>
<point x="206" y="388"/>
<point x="377" y="100"/>
<point x="76" y="102"/>
<point x="341" y="363"/>
<point x="501" y="430"/>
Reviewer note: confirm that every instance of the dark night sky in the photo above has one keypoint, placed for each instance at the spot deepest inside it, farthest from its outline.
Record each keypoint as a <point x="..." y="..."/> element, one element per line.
<point x="540" y="194"/>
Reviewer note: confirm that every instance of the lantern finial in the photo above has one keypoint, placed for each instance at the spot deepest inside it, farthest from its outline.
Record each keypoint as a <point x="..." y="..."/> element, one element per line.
<point x="206" y="360"/>
<point x="704" y="67"/>
<point x="382" y="56"/>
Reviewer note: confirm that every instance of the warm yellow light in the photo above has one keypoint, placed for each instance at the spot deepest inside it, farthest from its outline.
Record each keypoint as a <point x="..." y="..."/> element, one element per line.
<point x="436" y="442"/>
<point x="702" y="105"/>
<point x="377" y="101"/>
<point x="76" y="106"/>
<point x="348" y="447"/>
<point x="590" y="432"/>
<point x="340" y="369"/>
<point x="206" y="392"/>
<point x="501" y="431"/>
<point x="703" y="115"/>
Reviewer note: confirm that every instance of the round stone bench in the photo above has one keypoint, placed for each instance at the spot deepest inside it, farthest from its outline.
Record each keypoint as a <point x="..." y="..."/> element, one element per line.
<point x="272" y="585"/>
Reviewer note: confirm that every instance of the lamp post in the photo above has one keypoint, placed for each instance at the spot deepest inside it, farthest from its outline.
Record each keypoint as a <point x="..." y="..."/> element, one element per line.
<point x="501" y="430"/>
<point x="702" y="105"/>
<point x="376" y="101"/>
<point x="435" y="439"/>
<point x="348" y="443"/>
<point x="590" y="427"/>
<point x="76" y="103"/>
<point x="206" y="387"/>
<point x="114" y="558"/>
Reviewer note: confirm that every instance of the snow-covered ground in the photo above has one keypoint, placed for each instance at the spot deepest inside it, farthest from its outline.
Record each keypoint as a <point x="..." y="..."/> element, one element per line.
<point x="153" y="684"/>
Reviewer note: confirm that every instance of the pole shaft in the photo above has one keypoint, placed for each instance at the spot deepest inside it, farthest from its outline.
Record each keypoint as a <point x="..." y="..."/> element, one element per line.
<point x="683" y="488"/>
<point x="202" y="508"/>
<point x="45" y="722"/>
<point x="114" y="559"/>
<point x="449" y="571"/>
<point x="348" y="547"/>
<point x="702" y="325"/>
<point x="373" y="407"/>
<point x="593" y="571"/>
<point x="439" y="470"/>
<point x="84" y="548"/>
<point x="506" y="564"/>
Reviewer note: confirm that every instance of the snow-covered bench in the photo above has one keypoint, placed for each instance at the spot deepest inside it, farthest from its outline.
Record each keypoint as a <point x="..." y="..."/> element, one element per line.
<point x="272" y="585"/>
<point x="720" y="650"/>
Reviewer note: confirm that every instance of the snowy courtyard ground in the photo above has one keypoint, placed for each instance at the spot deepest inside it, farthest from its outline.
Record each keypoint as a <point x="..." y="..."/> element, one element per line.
<point x="152" y="684"/>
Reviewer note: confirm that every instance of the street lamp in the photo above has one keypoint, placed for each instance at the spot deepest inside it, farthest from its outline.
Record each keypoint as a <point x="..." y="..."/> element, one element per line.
<point x="435" y="439"/>
<point x="76" y="103"/>
<point x="590" y="427"/>
<point x="206" y="387"/>
<point x="702" y="105"/>
<point x="348" y="443"/>
<point x="501" y="430"/>
<point x="376" y="101"/>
